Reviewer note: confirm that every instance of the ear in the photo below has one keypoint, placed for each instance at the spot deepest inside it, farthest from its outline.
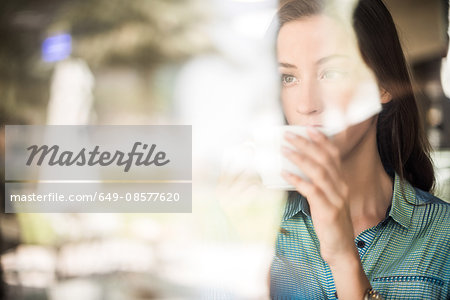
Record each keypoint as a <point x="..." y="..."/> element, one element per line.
<point x="385" y="96"/>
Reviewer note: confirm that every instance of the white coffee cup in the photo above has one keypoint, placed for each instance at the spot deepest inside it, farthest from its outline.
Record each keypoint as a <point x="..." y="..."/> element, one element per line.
<point x="270" y="159"/>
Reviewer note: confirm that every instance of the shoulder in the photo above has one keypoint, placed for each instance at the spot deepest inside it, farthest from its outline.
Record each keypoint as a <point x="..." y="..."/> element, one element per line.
<point x="423" y="197"/>
<point x="433" y="210"/>
<point x="426" y="197"/>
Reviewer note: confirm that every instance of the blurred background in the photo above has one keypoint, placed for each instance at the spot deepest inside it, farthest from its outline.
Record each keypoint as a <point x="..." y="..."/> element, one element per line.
<point x="204" y="63"/>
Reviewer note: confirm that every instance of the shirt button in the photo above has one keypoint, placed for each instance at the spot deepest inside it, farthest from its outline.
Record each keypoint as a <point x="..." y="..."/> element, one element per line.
<point x="284" y="231"/>
<point x="361" y="244"/>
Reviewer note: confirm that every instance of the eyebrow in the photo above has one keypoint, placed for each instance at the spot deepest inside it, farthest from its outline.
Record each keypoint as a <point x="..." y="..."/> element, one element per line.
<point x="319" y="62"/>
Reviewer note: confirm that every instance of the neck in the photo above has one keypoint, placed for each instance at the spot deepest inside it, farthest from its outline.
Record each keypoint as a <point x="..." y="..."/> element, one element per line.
<point x="370" y="187"/>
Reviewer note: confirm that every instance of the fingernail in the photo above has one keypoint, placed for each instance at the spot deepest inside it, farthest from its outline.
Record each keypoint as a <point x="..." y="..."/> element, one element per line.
<point x="286" y="150"/>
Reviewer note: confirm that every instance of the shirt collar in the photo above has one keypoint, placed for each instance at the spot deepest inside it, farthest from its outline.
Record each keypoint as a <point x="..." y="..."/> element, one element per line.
<point x="401" y="209"/>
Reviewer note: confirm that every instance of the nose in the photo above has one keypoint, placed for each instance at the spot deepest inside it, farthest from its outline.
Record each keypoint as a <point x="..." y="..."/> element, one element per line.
<point x="308" y="100"/>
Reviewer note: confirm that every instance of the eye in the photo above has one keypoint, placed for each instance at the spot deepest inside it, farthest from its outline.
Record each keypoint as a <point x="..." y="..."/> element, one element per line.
<point x="288" y="80"/>
<point x="333" y="74"/>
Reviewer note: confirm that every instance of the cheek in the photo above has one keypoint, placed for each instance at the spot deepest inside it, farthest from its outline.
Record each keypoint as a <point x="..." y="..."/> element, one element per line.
<point x="337" y="94"/>
<point x="289" y="104"/>
<point x="331" y="94"/>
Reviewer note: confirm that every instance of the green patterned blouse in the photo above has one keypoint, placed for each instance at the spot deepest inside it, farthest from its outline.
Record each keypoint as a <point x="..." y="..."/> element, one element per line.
<point x="406" y="256"/>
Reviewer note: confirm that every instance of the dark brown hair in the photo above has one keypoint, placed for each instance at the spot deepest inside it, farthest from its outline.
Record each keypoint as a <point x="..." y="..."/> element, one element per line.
<point x="402" y="143"/>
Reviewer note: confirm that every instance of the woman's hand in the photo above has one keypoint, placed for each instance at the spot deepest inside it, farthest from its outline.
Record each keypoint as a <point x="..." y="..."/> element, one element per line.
<point x="326" y="192"/>
<point x="327" y="195"/>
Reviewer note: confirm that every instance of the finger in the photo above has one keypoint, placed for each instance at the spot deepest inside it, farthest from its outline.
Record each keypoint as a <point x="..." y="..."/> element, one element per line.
<point x="320" y="152"/>
<point x="309" y="190"/>
<point x="316" y="153"/>
<point x="317" y="173"/>
<point x="324" y="143"/>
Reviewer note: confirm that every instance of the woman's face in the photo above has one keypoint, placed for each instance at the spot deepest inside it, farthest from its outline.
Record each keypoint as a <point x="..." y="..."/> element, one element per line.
<point x="320" y="69"/>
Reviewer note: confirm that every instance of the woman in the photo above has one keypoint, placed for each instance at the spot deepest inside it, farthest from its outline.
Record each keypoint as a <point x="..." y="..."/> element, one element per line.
<point x="369" y="228"/>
